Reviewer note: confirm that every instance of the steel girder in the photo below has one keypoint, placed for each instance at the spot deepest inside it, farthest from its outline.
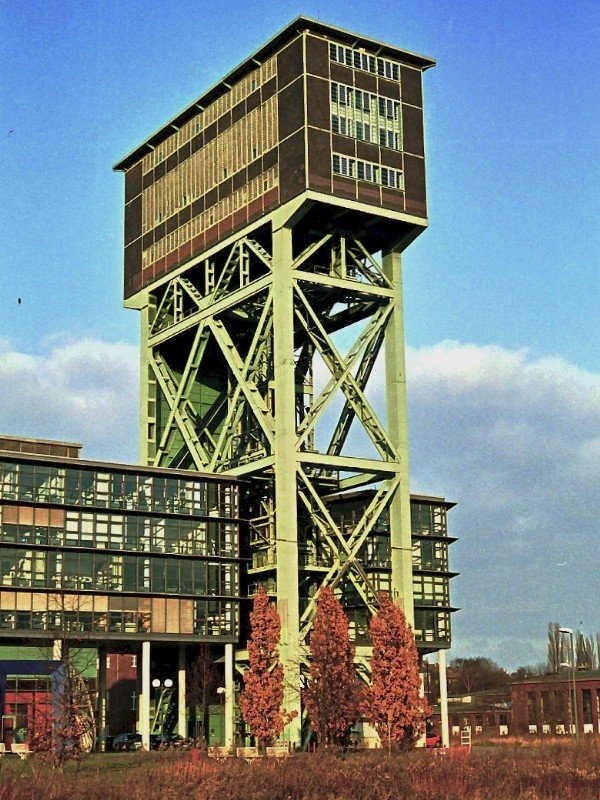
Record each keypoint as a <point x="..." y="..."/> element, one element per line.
<point x="232" y="348"/>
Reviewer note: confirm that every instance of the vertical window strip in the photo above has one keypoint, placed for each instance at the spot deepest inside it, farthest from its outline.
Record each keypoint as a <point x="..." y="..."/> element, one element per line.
<point x="365" y="116"/>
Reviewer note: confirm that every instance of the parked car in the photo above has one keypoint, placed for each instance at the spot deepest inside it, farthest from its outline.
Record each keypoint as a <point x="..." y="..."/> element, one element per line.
<point x="127" y="741"/>
<point x="162" y="741"/>
<point x="432" y="739"/>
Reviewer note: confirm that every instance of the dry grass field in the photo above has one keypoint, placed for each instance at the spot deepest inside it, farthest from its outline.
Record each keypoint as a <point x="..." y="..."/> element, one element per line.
<point x="503" y="771"/>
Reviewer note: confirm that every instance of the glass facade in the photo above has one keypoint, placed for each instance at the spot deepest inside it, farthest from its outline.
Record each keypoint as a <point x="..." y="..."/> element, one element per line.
<point x="431" y="575"/>
<point x="101" y="549"/>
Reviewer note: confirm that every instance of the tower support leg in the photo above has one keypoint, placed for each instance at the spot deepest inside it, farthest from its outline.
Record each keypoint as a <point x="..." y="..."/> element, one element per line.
<point x="181" y="690"/>
<point x="443" y="698"/>
<point x="395" y="373"/>
<point x="229" y="696"/>
<point x="285" y="475"/>
<point x="101" y="744"/>
<point x="144" y="704"/>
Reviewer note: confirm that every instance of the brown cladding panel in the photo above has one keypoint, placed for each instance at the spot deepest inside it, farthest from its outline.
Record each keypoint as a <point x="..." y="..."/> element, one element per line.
<point x="344" y="187"/>
<point x="252" y="101"/>
<point x="367" y="151"/>
<point x="185" y="215"/>
<point x="198" y="206"/>
<point x="148" y="179"/>
<point x="133" y="259"/>
<point x="290" y="63"/>
<point x="210" y="198"/>
<point x="172" y="223"/>
<point x="133" y="219"/>
<point x="341" y="74"/>
<point x="133" y="182"/>
<point x="239" y="179"/>
<point x="317" y="102"/>
<point x="391" y="158"/>
<point x="412" y="124"/>
<point x="269" y="159"/>
<point x="224" y="122"/>
<point x="225" y="188"/>
<point x="238" y="111"/>
<point x="292" y="177"/>
<point x="411" y="85"/>
<point x="319" y="160"/>
<point x="255" y="168"/>
<point x="268" y="89"/>
<point x="388" y="89"/>
<point x="197" y="142"/>
<point x="184" y="152"/>
<point x="368" y="193"/>
<point x="185" y="251"/>
<point x="171" y="162"/>
<point x="392" y="199"/>
<point x="210" y="133"/>
<point x="159" y="170"/>
<point x="414" y="185"/>
<point x="291" y="108"/>
<point x="317" y="56"/>
<point x="344" y="145"/>
<point x="365" y="81"/>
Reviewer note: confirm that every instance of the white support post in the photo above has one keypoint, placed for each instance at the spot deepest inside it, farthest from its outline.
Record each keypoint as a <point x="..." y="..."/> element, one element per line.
<point x="286" y="469"/>
<point x="443" y="698"/>
<point x="229" y="695"/>
<point x="144" y="704"/>
<point x="397" y="416"/>
<point x="57" y="650"/>
<point x="101" y="699"/>
<point x="181" y="705"/>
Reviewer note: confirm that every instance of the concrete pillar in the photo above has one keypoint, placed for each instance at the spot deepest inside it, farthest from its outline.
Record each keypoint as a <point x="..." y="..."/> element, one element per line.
<point x="229" y="696"/>
<point x="445" y="732"/>
<point x="397" y="418"/>
<point x="144" y="704"/>
<point x="101" y="746"/>
<point x="422" y="740"/>
<point x="286" y="460"/>
<point x="57" y="650"/>
<point x="181" y="704"/>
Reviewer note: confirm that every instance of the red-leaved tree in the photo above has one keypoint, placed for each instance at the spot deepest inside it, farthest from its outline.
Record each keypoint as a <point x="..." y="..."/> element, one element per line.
<point x="332" y="695"/>
<point x="393" y="702"/>
<point x="262" y="696"/>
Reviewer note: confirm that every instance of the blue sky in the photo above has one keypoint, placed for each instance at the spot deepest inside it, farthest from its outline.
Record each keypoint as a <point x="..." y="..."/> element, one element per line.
<point x="501" y="293"/>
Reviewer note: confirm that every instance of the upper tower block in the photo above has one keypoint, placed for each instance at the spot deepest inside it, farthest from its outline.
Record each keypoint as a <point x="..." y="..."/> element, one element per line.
<point x="317" y="111"/>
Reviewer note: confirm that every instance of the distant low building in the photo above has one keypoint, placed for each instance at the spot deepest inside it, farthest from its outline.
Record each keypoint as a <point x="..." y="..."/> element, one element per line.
<point x="485" y="713"/>
<point x="544" y="704"/>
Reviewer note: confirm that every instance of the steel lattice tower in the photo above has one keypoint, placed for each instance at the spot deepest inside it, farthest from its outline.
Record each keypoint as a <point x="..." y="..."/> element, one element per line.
<point x="264" y="231"/>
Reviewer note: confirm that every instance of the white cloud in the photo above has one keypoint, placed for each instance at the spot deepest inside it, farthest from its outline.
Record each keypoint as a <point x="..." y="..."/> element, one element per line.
<point x="85" y="391"/>
<point x="514" y="440"/>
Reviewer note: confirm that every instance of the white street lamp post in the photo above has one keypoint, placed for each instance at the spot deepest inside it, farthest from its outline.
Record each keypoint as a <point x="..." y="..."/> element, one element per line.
<point x="569" y="632"/>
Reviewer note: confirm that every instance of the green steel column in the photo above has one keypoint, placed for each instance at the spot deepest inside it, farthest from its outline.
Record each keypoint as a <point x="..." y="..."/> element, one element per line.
<point x="395" y="374"/>
<point x="286" y="523"/>
<point x="146" y="317"/>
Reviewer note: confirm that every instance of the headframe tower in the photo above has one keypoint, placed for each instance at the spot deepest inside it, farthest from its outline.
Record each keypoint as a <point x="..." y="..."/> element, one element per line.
<point x="264" y="230"/>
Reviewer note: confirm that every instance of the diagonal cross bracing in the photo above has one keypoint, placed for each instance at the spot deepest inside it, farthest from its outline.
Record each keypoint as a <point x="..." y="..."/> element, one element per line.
<point x="180" y="399"/>
<point x="350" y="386"/>
<point x="250" y="368"/>
<point x="236" y="365"/>
<point x="369" y="337"/>
<point x="169" y="390"/>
